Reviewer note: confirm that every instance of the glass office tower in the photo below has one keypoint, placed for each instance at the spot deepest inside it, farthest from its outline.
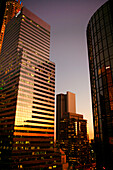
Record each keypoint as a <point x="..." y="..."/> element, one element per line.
<point x="100" y="52"/>
<point x="11" y="9"/>
<point x="27" y="95"/>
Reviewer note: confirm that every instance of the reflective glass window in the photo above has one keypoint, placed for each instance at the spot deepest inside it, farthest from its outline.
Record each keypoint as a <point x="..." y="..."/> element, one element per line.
<point x="111" y="50"/>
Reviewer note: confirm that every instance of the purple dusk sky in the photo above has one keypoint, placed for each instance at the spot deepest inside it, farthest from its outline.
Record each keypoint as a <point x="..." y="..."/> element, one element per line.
<point x="68" y="47"/>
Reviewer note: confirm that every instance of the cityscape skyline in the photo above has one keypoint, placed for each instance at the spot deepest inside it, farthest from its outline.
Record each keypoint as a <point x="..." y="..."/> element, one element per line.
<point x="68" y="48"/>
<point x="59" y="47"/>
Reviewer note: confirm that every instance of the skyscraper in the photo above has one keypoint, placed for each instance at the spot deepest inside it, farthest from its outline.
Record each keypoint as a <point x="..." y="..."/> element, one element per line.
<point x="100" y="52"/>
<point x="65" y="104"/>
<point x="27" y="95"/>
<point x="71" y="131"/>
<point x="11" y="9"/>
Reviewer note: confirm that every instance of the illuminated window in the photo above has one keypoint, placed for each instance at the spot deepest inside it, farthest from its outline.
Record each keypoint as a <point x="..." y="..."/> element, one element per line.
<point x="99" y="71"/>
<point x="21" y="166"/>
<point x="54" y="166"/>
<point x="26" y="148"/>
<point x="79" y="126"/>
<point x="27" y="142"/>
<point x="32" y="147"/>
<point x="38" y="147"/>
<point x="76" y="128"/>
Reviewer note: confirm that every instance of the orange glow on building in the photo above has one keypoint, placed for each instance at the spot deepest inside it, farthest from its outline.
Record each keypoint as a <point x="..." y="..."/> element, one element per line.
<point x="12" y="8"/>
<point x="32" y="134"/>
<point x="27" y="95"/>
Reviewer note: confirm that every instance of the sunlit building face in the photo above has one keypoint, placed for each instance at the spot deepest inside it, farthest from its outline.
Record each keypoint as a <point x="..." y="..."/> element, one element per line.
<point x="27" y="94"/>
<point x="100" y="51"/>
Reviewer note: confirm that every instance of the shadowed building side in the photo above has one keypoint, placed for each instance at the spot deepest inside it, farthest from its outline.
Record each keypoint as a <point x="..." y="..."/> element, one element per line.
<point x="71" y="131"/>
<point x="100" y="52"/>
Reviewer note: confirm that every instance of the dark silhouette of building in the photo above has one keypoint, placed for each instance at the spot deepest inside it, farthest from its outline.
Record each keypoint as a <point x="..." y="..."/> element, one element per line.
<point x="92" y="151"/>
<point x="65" y="103"/>
<point x="71" y="131"/>
<point x="100" y="52"/>
<point x="27" y="95"/>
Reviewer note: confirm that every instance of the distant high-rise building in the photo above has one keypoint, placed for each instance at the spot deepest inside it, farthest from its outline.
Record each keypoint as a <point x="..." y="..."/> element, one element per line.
<point x="65" y="104"/>
<point x="100" y="52"/>
<point x="12" y="7"/>
<point x="27" y="95"/>
<point x="71" y="130"/>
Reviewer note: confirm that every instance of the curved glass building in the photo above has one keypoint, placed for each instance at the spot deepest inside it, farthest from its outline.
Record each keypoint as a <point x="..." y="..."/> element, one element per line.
<point x="100" y="52"/>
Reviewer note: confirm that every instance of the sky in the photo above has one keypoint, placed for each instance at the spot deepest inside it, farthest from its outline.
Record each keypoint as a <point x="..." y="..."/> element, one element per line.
<point x="68" y="47"/>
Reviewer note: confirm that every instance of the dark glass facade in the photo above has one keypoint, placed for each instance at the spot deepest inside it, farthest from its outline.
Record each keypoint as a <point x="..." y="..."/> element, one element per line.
<point x="73" y="139"/>
<point x="100" y="52"/>
<point x="27" y="95"/>
<point x="61" y="108"/>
